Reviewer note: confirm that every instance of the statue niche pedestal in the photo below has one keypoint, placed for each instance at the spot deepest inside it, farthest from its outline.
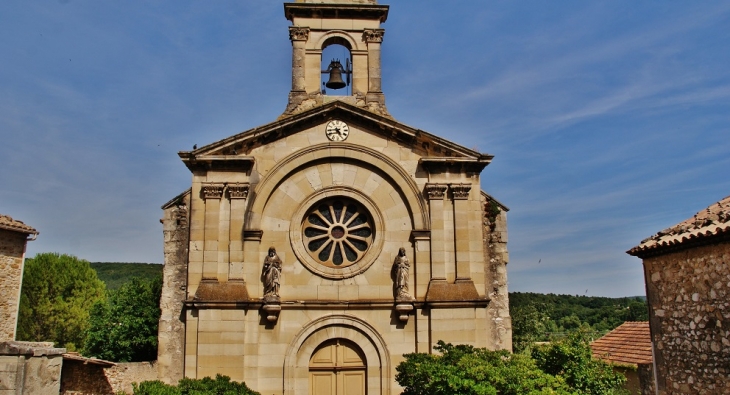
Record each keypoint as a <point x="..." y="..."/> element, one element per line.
<point x="272" y="307"/>
<point x="404" y="306"/>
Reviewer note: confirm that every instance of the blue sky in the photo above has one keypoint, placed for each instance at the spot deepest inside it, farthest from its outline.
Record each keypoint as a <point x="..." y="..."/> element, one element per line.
<point x="609" y="120"/>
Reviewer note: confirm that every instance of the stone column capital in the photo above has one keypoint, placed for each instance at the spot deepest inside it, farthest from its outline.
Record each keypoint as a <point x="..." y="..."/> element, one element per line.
<point x="435" y="191"/>
<point x="212" y="190"/>
<point x="238" y="191"/>
<point x="298" y="33"/>
<point x="460" y="191"/>
<point x="373" y="35"/>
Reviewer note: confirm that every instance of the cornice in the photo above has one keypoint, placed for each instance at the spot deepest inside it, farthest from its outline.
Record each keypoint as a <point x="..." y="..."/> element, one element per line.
<point x="336" y="11"/>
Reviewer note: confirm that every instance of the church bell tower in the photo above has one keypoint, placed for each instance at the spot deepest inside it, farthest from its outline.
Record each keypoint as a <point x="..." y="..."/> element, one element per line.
<point x="353" y="24"/>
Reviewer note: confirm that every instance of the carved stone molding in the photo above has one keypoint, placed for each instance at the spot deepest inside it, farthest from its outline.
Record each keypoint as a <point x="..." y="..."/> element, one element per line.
<point x="212" y="190"/>
<point x="460" y="191"/>
<point x="253" y="235"/>
<point x="298" y="33"/>
<point x="373" y="35"/>
<point x="435" y="191"/>
<point x="238" y="191"/>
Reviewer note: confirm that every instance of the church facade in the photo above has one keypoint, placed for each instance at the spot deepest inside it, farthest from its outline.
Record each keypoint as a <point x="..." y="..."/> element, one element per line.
<point x="311" y="253"/>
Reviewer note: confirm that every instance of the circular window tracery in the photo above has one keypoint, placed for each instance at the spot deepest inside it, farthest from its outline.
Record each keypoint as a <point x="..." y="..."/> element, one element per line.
<point x="337" y="232"/>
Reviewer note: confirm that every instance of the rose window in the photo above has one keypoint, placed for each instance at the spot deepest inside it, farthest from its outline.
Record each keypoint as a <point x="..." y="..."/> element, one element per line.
<point x="337" y="232"/>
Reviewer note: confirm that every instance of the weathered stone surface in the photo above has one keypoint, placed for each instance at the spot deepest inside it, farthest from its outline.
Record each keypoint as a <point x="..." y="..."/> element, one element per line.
<point x="171" y="330"/>
<point x="494" y="237"/>
<point x="30" y="368"/>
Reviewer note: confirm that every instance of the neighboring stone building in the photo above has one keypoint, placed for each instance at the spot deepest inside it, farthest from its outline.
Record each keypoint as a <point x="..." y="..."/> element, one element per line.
<point x="311" y="253"/>
<point x="687" y="275"/>
<point x="628" y="348"/>
<point x="14" y="236"/>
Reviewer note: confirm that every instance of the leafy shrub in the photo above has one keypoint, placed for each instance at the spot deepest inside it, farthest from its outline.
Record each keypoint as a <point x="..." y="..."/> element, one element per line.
<point x="222" y="385"/>
<point x="466" y="370"/>
<point x="563" y="368"/>
<point x="571" y="359"/>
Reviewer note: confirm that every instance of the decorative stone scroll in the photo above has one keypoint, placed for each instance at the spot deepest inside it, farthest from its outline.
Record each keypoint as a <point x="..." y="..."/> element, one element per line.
<point x="298" y="33"/>
<point x="373" y="35"/>
<point x="238" y="191"/>
<point x="212" y="190"/>
<point x="435" y="191"/>
<point x="460" y="191"/>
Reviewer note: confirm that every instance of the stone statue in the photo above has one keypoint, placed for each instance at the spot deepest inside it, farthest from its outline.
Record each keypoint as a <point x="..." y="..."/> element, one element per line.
<point x="272" y="274"/>
<point x="401" y="267"/>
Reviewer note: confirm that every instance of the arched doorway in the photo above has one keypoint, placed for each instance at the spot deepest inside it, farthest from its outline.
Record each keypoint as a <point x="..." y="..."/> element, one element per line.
<point x="337" y="367"/>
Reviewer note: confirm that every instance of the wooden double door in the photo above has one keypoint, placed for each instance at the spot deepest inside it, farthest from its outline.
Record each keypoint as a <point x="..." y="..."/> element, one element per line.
<point x="337" y="367"/>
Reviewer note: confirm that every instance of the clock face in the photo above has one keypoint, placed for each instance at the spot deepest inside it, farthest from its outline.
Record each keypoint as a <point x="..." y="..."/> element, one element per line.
<point x="337" y="130"/>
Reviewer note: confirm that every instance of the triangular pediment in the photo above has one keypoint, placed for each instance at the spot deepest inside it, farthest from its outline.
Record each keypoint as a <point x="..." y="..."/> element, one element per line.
<point x="238" y="148"/>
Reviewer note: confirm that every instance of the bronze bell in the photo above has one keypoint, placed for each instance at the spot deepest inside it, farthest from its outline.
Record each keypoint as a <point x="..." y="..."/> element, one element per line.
<point x="335" y="81"/>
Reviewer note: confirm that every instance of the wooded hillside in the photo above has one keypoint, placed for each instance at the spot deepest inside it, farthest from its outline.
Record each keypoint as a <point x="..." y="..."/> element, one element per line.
<point x="114" y="274"/>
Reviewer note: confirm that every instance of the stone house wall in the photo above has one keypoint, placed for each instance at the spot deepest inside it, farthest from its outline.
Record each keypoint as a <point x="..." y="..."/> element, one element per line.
<point x="12" y="253"/>
<point x="689" y="305"/>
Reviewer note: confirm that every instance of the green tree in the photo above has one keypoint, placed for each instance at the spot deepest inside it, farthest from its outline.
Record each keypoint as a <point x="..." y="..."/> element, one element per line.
<point x="638" y="311"/>
<point x="124" y="327"/>
<point x="57" y="294"/>
<point x="466" y="370"/>
<point x="571" y="359"/>
<point x="528" y="325"/>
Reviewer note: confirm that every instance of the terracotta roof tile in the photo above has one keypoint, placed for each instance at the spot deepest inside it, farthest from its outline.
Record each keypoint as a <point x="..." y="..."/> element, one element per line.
<point x="6" y="222"/>
<point x="712" y="221"/>
<point x="629" y="343"/>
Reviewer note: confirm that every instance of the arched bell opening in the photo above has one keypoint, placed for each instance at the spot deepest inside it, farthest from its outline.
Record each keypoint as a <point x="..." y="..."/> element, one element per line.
<point x="337" y="366"/>
<point x="336" y="66"/>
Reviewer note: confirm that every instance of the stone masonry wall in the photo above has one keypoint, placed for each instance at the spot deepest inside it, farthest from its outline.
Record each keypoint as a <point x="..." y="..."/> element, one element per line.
<point x="90" y="379"/>
<point x="171" y="335"/>
<point x="646" y="378"/>
<point x="689" y="307"/>
<point x="497" y="257"/>
<point x="12" y="251"/>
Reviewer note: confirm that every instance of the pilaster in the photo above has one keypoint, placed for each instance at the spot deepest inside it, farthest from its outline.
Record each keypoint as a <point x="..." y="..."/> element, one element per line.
<point x="373" y="38"/>
<point x="298" y="36"/>
<point x="435" y="194"/>
<point x="238" y="194"/>
<point x="460" y="194"/>
<point x="212" y="194"/>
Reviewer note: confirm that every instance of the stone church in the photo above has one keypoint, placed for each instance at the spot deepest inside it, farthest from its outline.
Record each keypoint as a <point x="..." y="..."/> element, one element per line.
<point x="312" y="252"/>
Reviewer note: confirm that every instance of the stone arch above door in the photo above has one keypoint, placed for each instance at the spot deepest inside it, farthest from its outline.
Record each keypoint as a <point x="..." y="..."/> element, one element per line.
<point x="411" y="194"/>
<point x="372" y="345"/>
